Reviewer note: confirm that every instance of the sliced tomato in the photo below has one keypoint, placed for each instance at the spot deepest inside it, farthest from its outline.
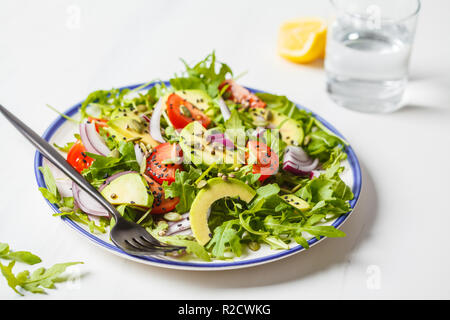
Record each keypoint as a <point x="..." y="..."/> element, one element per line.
<point x="160" y="203"/>
<point x="160" y="171"/>
<point x="98" y="122"/>
<point x="77" y="157"/>
<point x="181" y="112"/>
<point x="241" y="95"/>
<point x="266" y="162"/>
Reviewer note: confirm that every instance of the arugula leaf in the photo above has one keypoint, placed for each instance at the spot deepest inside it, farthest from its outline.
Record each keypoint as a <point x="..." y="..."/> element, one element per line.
<point x="235" y="130"/>
<point x="327" y="194"/>
<point x="226" y="239"/>
<point x="326" y="231"/>
<point x="192" y="246"/>
<point x="64" y="148"/>
<point x="104" y="166"/>
<point x="21" y="256"/>
<point x="83" y="218"/>
<point x="99" y="96"/>
<point x="13" y="282"/>
<point x="264" y="193"/>
<point x="51" y="192"/>
<point x="203" y="75"/>
<point x="183" y="187"/>
<point x="283" y="105"/>
<point x="278" y="227"/>
<point x="320" y="142"/>
<point x="49" y="180"/>
<point x="323" y="145"/>
<point x="276" y="243"/>
<point x="37" y="281"/>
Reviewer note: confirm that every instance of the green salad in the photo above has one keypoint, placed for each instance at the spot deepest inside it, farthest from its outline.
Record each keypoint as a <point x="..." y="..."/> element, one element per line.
<point x="203" y="162"/>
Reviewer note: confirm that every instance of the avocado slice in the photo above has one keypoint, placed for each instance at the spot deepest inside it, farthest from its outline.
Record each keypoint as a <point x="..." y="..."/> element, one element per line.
<point x="296" y="202"/>
<point x="215" y="189"/>
<point x="197" y="98"/>
<point x="198" y="151"/>
<point x="129" y="188"/>
<point x="290" y="131"/>
<point x="129" y="125"/>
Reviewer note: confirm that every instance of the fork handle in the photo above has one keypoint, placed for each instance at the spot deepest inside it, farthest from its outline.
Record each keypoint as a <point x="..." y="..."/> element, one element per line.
<point x="54" y="157"/>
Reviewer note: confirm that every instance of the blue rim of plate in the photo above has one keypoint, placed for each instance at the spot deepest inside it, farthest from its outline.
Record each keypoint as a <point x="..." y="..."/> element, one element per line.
<point x="351" y="157"/>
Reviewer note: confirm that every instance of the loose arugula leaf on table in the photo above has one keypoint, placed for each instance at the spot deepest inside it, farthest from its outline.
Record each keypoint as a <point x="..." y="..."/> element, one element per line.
<point x="183" y="187"/>
<point x="35" y="282"/>
<point x="21" y="256"/>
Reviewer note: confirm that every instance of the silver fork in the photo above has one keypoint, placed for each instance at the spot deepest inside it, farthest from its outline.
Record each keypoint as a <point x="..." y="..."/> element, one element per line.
<point x="127" y="235"/>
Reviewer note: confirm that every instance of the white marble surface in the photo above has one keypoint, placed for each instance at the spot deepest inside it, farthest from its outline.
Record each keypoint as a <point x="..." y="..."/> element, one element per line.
<point x="397" y="243"/>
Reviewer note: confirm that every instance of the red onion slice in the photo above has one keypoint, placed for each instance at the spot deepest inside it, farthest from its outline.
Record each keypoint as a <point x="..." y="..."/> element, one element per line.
<point x="215" y="137"/>
<point x="96" y="140"/>
<point x="85" y="139"/>
<point x="298" y="162"/>
<point x="155" y="122"/>
<point x="86" y="203"/>
<point x="139" y="154"/>
<point x="226" y="113"/>
<point x="221" y="139"/>
<point x="178" y="226"/>
<point x="113" y="177"/>
<point x="228" y="144"/>
<point x="146" y="118"/>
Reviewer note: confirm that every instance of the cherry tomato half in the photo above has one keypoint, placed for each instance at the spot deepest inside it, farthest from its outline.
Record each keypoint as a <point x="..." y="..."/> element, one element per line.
<point x="98" y="122"/>
<point x="241" y="95"/>
<point x="266" y="161"/>
<point x="160" y="203"/>
<point x="77" y="157"/>
<point x="160" y="171"/>
<point x="181" y="112"/>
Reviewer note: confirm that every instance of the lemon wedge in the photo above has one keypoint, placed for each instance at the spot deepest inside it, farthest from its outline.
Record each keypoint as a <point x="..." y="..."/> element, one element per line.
<point x="302" y="40"/>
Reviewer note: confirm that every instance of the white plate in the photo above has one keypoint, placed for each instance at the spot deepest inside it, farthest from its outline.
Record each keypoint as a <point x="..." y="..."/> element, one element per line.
<point x="61" y="131"/>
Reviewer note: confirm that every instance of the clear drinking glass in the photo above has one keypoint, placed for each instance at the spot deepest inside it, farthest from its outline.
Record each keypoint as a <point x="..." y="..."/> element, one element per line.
<point x="367" y="55"/>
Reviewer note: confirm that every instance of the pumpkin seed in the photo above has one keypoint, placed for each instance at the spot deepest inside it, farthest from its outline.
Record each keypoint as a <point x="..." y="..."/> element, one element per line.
<point x="269" y="115"/>
<point x="201" y="184"/>
<point x="115" y="153"/>
<point x="254" y="246"/>
<point x="136" y="126"/>
<point x="143" y="166"/>
<point x="134" y="139"/>
<point x="142" y="108"/>
<point x="307" y="140"/>
<point x="260" y="123"/>
<point x="173" y="216"/>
